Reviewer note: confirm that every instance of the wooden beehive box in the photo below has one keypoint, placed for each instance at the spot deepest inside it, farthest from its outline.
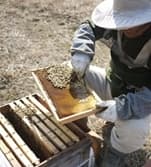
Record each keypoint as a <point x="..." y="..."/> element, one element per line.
<point x="63" y="100"/>
<point x="32" y="137"/>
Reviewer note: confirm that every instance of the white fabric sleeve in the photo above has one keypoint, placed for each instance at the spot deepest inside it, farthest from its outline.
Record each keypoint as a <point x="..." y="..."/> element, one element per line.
<point x="134" y="105"/>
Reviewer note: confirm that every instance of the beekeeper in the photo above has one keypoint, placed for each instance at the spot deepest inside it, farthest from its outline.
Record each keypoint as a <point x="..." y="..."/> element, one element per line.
<point x="125" y="87"/>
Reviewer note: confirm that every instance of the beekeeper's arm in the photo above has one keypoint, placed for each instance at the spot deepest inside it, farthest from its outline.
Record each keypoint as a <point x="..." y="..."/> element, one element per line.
<point x="83" y="46"/>
<point x="131" y="106"/>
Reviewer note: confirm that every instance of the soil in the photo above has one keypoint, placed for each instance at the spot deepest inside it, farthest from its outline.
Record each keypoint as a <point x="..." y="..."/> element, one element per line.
<point x="35" y="33"/>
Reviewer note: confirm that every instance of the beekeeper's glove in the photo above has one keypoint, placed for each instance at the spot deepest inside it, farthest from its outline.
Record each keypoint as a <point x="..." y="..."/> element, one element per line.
<point x="110" y="113"/>
<point x="80" y="63"/>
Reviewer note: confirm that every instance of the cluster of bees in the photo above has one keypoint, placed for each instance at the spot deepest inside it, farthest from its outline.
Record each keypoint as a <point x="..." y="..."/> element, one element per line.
<point x="62" y="76"/>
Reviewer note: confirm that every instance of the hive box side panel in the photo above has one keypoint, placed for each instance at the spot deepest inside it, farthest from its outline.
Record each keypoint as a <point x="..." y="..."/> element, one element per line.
<point x="72" y="157"/>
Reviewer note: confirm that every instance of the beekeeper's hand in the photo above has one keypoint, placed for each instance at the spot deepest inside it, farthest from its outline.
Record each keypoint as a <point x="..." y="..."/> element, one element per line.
<point x="110" y="113"/>
<point x="80" y="63"/>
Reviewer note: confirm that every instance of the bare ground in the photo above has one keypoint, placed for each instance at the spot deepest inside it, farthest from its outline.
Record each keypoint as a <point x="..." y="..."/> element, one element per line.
<point x="34" y="34"/>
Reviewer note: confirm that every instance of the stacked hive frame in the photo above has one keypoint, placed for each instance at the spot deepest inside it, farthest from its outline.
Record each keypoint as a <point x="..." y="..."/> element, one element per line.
<point x="31" y="136"/>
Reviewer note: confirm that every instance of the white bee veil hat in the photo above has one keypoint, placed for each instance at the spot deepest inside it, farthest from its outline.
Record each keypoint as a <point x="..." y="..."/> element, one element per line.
<point x="122" y="14"/>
